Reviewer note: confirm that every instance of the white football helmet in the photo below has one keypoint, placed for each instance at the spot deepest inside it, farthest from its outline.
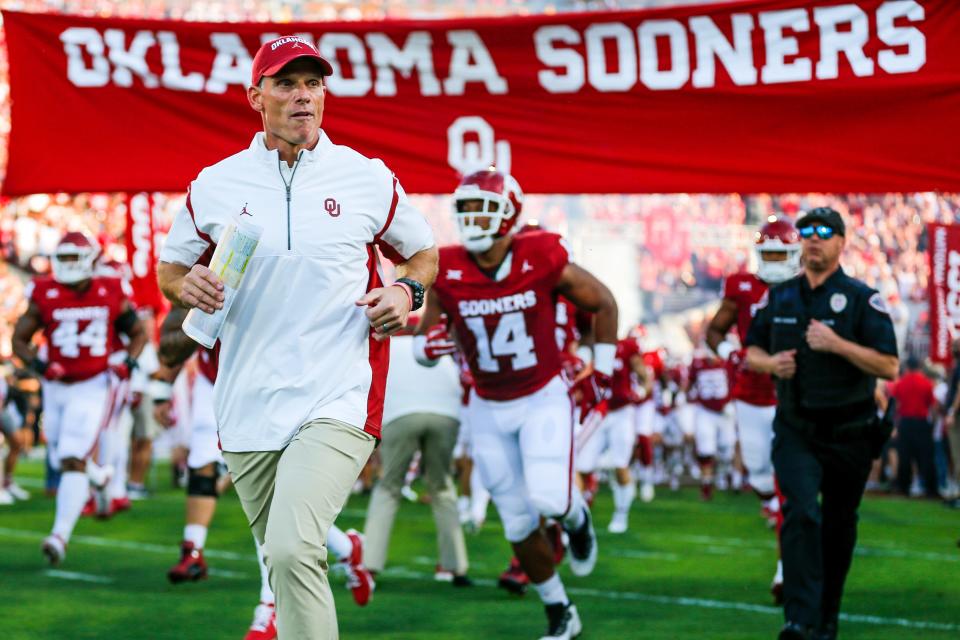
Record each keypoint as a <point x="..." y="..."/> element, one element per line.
<point x="73" y="259"/>
<point x="501" y="200"/>
<point x="778" y="236"/>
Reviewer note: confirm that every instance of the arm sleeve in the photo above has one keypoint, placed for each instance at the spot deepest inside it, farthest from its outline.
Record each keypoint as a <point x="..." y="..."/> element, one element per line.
<point x="876" y="327"/>
<point x="185" y="243"/>
<point x="759" y="333"/>
<point x="406" y="230"/>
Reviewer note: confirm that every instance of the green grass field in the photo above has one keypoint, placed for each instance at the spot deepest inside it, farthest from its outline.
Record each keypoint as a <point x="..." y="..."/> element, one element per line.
<point x="684" y="570"/>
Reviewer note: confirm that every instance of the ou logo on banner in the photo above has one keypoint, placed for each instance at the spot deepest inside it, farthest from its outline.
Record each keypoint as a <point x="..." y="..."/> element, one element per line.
<point x="140" y="234"/>
<point x="471" y="146"/>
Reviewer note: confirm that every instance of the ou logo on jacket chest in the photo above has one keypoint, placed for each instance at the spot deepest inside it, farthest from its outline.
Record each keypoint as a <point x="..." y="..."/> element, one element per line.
<point x="332" y="207"/>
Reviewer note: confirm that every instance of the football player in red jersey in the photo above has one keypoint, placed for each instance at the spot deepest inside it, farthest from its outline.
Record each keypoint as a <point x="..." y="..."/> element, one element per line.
<point x="80" y="315"/>
<point x="499" y="292"/>
<point x="714" y="431"/>
<point x="778" y="260"/>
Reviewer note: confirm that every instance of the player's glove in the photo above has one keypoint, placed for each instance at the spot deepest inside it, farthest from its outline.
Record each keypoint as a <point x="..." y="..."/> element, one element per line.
<point x="592" y="390"/>
<point x="435" y="344"/>
<point x="123" y="369"/>
<point x="738" y="360"/>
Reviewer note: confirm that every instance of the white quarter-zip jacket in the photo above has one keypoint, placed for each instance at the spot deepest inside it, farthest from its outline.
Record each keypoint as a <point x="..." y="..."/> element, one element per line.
<point x="295" y="347"/>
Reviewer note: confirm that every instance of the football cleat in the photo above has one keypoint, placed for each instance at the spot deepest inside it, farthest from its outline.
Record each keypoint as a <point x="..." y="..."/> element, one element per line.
<point x="776" y="585"/>
<point x="192" y="566"/>
<point x="120" y="504"/>
<point x="356" y="548"/>
<point x="89" y="508"/>
<point x="514" y="579"/>
<point x="18" y="492"/>
<point x="54" y="548"/>
<point x="442" y="575"/>
<point x="6" y="497"/>
<point x="360" y="582"/>
<point x="264" y="625"/>
<point x="409" y="494"/>
<point x="563" y="622"/>
<point x="583" y="547"/>
<point x="619" y="523"/>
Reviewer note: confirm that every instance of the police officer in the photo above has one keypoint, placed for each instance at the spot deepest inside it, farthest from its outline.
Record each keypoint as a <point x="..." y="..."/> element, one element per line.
<point x="826" y="337"/>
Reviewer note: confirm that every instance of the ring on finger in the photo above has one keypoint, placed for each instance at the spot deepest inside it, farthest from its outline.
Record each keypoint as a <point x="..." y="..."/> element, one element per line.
<point x="385" y="327"/>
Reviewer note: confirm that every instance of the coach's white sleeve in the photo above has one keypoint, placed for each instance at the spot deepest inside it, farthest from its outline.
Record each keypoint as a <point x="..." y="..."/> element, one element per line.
<point x="184" y="245"/>
<point x="408" y="231"/>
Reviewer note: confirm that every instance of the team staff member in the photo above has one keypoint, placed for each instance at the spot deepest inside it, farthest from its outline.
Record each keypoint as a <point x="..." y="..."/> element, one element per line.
<point x="303" y="357"/>
<point x="826" y="337"/>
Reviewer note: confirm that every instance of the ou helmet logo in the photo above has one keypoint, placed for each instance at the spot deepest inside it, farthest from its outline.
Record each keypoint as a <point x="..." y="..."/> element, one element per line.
<point x="471" y="146"/>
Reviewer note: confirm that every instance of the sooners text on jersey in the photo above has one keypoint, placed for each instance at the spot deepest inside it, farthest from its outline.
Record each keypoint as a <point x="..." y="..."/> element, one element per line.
<point x="710" y="383"/>
<point x="746" y="290"/>
<point x="79" y="325"/>
<point x="506" y="328"/>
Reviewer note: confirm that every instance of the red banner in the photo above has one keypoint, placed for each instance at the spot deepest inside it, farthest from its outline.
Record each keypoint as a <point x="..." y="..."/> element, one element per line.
<point x="141" y="252"/>
<point x="753" y="96"/>
<point x="944" y="254"/>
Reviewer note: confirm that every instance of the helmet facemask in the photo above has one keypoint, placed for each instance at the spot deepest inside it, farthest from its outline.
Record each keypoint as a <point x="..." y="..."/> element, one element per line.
<point x="481" y="224"/>
<point x="777" y="271"/>
<point x="73" y="262"/>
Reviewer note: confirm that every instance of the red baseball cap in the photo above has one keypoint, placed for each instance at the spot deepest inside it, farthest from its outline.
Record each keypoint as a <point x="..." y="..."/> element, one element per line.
<point x="274" y="55"/>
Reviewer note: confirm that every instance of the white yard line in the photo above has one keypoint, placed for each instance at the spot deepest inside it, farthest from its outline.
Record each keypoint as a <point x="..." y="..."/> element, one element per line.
<point x="407" y="573"/>
<point x="80" y="577"/>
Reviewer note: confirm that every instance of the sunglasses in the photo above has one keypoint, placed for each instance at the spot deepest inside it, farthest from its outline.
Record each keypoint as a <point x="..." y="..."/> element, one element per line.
<point x="823" y="232"/>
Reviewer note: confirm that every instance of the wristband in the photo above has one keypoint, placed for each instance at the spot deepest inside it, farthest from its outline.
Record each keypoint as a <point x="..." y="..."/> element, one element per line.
<point x="416" y="291"/>
<point x="585" y="353"/>
<point x="406" y="290"/>
<point x="603" y="356"/>
<point x="724" y="349"/>
<point x="160" y="390"/>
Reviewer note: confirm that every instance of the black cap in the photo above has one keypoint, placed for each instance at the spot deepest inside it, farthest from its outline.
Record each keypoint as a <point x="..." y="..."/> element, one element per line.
<point x="823" y="215"/>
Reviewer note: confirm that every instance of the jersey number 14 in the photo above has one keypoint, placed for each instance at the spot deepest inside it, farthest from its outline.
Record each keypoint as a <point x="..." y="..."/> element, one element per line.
<point x="510" y="338"/>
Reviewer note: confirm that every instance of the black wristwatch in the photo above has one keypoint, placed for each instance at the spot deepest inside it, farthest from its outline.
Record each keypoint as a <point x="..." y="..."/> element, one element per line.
<point x="416" y="289"/>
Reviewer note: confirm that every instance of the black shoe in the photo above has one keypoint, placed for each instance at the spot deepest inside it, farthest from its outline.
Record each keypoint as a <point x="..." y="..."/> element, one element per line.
<point x="563" y="622"/>
<point x="795" y="631"/>
<point x="462" y="581"/>
<point x="826" y="632"/>
<point x="583" y="547"/>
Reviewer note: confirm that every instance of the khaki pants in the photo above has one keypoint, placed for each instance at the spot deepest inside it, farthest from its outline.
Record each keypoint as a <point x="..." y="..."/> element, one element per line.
<point x="290" y="498"/>
<point x="435" y="437"/>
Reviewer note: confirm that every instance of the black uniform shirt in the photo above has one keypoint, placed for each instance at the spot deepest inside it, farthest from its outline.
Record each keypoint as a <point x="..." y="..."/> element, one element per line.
<point x="826" y="386"/>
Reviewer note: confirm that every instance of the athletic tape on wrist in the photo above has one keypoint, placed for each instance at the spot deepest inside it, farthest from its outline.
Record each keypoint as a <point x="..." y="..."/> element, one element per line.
<point x="603" y="356"/>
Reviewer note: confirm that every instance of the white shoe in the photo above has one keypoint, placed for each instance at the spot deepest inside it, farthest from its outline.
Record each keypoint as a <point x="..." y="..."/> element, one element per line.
<point x="563" y="623"/>
<point x="99" y="481"/>
<point x="647" y="492"/>
<point x="18" y="492"/>
<point x="409" y="493"/>
<point x="6" y="497"/>
<point x="619" y="523"/>
<point x="54" y="548"/>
